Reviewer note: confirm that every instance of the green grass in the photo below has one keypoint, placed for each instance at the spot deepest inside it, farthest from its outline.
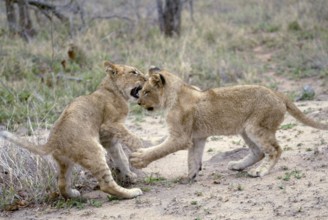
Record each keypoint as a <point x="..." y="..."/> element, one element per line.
<point x="79" y="203"/>
<point x="215" y="138"/>
<point x="288" y="175"/>
<point x="242" y="174"/>
<point x="287" y="126"/>
<point x="112" y="198"/>
<point x="70" y="203"/>
<point x="210" y="150"/>
<point x="153" y="178"/>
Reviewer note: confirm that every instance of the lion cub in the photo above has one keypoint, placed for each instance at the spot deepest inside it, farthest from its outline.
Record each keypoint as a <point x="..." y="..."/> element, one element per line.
<point x="87" y="123"/>
<point x="254" y="112"/>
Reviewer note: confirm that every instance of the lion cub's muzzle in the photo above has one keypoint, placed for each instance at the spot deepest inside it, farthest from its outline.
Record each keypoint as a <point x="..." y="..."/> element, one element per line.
<point x="149" y="108"/>
<point x="135" y="92"/>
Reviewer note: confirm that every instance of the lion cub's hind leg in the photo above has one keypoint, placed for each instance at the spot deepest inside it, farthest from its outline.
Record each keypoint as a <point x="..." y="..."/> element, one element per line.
<point x="64" y="177"/>
<point x="195" y="155"/>
<point x="267" y="143"/>
<point x="254" y="156"/>
<point x="121" y="163"/>
<point x="95" y="162"/>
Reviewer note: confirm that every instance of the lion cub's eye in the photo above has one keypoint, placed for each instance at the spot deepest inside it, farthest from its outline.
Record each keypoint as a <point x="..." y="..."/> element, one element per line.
<point x="146" y="93"/>
<point x="134" y="72"/>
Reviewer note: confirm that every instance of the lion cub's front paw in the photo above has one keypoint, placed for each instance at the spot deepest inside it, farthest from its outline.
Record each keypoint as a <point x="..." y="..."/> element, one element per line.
<point x="134" y="192"/>
<point x="138" y="159"/>
<point x="235" y="165"/>
<point x="130" y="193"/>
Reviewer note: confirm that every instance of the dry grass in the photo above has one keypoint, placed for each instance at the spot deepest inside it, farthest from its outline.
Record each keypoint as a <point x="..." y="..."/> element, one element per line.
<point x="219" y="48"/>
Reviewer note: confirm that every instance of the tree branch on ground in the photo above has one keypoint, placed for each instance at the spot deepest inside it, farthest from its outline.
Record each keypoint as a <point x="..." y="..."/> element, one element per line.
<point x="111" y="17"/>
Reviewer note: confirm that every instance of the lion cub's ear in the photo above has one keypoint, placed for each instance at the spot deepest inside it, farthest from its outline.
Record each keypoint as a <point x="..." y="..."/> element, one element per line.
<point x="110" y="68"/>
<point x="157" y="80"/>
<point x="153" y="69"/>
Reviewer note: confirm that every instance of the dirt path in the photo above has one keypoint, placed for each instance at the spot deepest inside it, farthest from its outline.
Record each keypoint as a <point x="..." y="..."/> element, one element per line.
<point x="297" y="187"/>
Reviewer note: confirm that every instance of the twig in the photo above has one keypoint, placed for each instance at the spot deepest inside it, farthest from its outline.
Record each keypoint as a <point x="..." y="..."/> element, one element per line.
<point x="52" y="43"/>
<point x="191" y="7"/>
<point x="62" y="76"/>
<point x="48" y="7"/>
<point x="160" y="14"/>
<point x="111" y="17"/>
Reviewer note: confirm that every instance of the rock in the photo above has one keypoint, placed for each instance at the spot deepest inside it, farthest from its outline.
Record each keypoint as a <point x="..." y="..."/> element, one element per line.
<point x="307" y="93"/>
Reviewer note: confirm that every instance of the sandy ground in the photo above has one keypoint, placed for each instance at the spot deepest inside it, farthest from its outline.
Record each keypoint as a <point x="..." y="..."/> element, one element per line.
<point x="297" y="187"/>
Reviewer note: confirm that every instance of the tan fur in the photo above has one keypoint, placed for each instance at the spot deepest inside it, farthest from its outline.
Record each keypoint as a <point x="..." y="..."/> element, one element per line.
<point x="75" y="54"/>
<point x="90" y="124"/>
<point x="254" y="112"/>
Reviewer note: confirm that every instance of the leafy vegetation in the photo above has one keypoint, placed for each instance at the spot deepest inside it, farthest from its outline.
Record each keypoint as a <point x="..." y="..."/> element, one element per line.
<point x="287" y="126"/>
<point x="288" y="175"/>
<point x="153" y="178"/>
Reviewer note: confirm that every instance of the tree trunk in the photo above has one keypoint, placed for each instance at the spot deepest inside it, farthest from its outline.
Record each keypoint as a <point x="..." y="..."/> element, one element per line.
<point x="26" y="28"/>
<point x="11" y="17"/>
<point x="169" y="17"/>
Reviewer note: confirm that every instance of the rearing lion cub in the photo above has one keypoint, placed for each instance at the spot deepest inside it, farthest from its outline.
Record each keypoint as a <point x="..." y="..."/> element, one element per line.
<point x="90" y="124"/>
<point x="254" y="112"/>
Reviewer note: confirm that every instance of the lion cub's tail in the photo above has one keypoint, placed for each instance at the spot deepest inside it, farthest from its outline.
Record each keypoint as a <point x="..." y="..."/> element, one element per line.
<point x="299" y="115"/>
<point x="37" y="149"/>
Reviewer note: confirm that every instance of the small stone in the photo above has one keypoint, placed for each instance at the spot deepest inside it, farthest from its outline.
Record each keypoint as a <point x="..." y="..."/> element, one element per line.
<point x="307" y="93"/>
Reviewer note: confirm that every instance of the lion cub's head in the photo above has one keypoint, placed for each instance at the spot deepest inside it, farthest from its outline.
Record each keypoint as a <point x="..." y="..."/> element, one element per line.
<point x="127" y="79"/>
<point x="152" y="91"/>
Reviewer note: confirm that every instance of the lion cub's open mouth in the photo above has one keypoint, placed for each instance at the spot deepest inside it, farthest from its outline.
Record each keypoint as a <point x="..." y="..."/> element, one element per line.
<point x="135" y="92"/>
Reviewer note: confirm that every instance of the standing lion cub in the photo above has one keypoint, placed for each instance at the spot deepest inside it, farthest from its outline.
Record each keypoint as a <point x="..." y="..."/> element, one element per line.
<point x="87" y="123"/>
<point x="254" y="112"/>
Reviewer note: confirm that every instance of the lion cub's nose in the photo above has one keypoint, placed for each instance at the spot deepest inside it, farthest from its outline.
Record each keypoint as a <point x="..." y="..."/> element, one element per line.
<point x="139" y="103"/>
